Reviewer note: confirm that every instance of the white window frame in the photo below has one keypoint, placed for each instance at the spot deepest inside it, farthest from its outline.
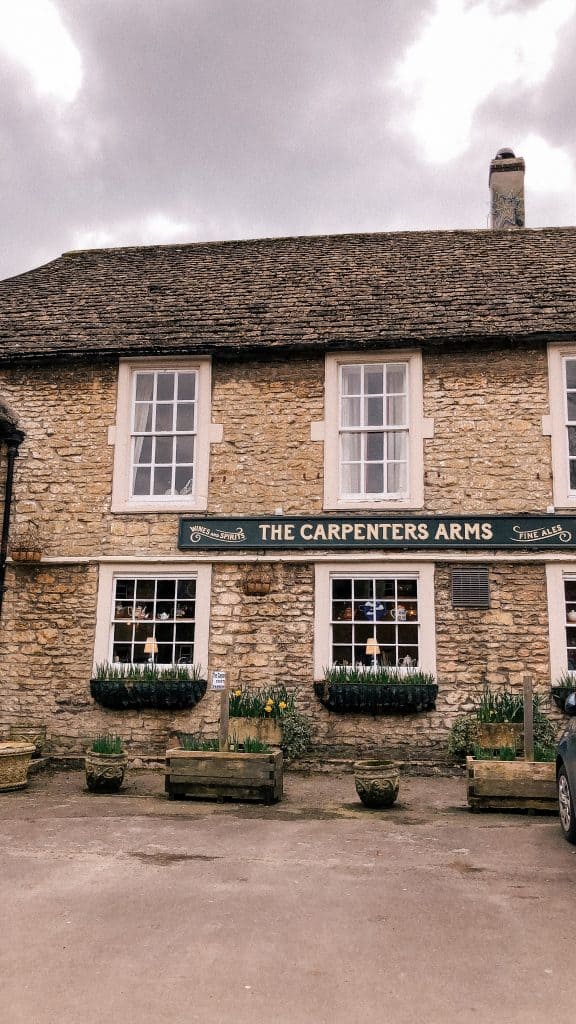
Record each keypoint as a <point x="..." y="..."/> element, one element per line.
<point x="422" y="571"/>
<point x="418" y="428"/>
<point x="556" y="424"/>
<point x="556" y="574"/>
<point x="110" y="571"/>
<point x="122" y="498"/>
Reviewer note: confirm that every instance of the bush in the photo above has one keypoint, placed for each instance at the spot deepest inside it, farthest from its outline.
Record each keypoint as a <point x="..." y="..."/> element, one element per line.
<point x="296" y="734"/>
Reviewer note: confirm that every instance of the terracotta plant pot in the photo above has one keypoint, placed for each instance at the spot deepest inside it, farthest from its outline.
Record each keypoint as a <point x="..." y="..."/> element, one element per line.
<point x="377" y="782"/>
<point x="104" y="772"/>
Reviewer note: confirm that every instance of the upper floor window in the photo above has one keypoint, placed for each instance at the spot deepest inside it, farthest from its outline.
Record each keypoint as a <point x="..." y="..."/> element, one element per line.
<point x="162" y="436"/>
<point x="374" y="430"/>
<point x="164" y="428"/>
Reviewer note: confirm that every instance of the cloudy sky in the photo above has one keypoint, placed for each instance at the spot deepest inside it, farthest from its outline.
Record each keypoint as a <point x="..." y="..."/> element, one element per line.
<point x="125" y="122"/>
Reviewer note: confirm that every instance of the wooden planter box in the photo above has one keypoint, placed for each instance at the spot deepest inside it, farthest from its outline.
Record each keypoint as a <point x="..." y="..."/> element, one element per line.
<point x="512" y="785"/>
<point x="267" y="730"/>
<point x="214" y="775"/>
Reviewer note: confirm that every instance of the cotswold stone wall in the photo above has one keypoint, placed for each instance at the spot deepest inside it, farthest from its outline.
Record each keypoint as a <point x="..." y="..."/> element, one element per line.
<point x="46" y="658"/>
<point x="487" y="455"/>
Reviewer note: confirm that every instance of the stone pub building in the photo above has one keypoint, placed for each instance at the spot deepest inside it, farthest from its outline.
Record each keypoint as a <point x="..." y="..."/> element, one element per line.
<point x="382" y="427"/>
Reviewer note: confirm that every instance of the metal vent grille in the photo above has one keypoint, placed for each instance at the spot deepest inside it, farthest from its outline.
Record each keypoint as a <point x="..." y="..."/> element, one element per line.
<point x="470" y="587"/>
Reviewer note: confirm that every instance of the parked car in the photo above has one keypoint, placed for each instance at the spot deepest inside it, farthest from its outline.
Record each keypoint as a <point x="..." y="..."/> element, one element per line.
<point x="566" y="773"/>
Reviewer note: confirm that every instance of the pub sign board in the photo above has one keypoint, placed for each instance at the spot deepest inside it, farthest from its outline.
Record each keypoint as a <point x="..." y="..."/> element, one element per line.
<point x="286" y="533"/>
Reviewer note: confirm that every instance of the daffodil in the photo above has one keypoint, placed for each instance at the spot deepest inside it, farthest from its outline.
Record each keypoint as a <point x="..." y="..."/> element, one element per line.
<point x="268" y="709"/>
<point x="237" y="693"/>
<point x="282" y="705"/>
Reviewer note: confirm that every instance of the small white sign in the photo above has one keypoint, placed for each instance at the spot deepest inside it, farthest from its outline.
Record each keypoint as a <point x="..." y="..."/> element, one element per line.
<point x="218" y="680"/>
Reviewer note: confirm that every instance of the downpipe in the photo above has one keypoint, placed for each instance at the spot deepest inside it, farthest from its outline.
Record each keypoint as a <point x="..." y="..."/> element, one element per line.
<point x="12" y="444"/>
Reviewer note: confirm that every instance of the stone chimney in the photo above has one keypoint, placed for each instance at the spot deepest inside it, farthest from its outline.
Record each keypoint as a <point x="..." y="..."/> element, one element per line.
<point x="506" y="184"/>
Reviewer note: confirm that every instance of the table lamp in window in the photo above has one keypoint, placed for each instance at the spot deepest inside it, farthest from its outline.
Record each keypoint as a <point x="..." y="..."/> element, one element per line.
<point x="151" y="648"/>
<point x="373" y="650"/>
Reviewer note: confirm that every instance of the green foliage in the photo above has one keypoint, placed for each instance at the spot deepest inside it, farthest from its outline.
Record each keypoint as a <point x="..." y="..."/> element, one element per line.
<point x="193" y="741"/>
<point x="106" y="743"/>
<point x="148" y="672"/>
<point x="492" y="707"/>
<point x="503" y="754"/>
<point x="381" y="674"/>
<point x="542" y="752"/>
<point x="462" y="738"/>
<point x="268" y="702"/>
<point x="296" y="734"/>
<point x="505" y="706"/>
<point x="566" y="680"/>
<point x="250" y="745"/>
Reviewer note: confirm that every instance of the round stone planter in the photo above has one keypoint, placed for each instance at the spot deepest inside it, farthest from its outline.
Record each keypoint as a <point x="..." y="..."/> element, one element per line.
<point x="34" y="734"/>
<point x="14" y="761"/>
<point x="104" y="772"/>
<point x="377" y="782"/>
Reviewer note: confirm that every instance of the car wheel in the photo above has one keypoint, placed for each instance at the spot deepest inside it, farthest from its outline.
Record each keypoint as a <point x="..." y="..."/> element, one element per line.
<point x="566" y="807"/>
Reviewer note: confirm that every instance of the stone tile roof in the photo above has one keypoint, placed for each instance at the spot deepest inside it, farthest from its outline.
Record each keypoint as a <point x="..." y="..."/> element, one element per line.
<point x="372" y="290"/>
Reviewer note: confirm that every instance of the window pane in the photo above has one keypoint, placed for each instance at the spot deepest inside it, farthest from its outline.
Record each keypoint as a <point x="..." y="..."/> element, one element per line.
<point x="571" y="373"/>
<point x="351" y="479"/>
<point x="145" y="589"/>
<point x="183" y="480"/>
<point x="342" y="589"/>
<point x="125" y="589"/>
<point x="374" y="478"/>
<point x="396" y="411"/>
<point x="374" y="412"/>
<point x="351" y="412"/>
<point x="341" y="655"/>
<point x="142" y="417"/>
<point x="572" y="440"/>
<point x="363" y="589"/>
<point x="374" y="447"/>
<point x="186" y="386"/>
<point x="166" y="590"/>
<point x="351" y="447"/>
<point x="141" y="481"/>
<point x="186" y="588"/>
<point x="164" y="417"/>
<point x="351" y="380"/>
<point x="572" y="407"/>
<point x="573" y="474"/>
<point x="164" y="449"/>
<point x="185" y="416"/>
<point x="397" y="445"/>
<point x="396" y="378"/>
<point x="165" y="387"/>
<point x="185" y="449"/>
<point x="396" y="477"/>
<point x="374" y="380"/>
<point x="163" y="480"/>
<point x="570" y="590"/>
<point x="144" y="387"/>
<point x="342" y="634"/>
<point x="143" y="450"/>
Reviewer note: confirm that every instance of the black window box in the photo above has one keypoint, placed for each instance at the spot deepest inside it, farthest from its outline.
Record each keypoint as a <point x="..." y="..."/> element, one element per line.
<point x="171" y="694"/>
<point x="377" y="698"/>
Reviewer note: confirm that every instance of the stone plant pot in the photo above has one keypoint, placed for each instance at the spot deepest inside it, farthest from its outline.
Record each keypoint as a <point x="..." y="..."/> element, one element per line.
<point x="377" y="782"/>
<point x="34" y="734"/>
<point x="14" y="761"/>
<point x="104" y="772"/>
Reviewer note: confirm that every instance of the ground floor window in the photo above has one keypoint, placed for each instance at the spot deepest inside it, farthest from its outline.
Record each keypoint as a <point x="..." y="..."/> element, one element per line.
<point x="368" y="607"/>
<point x="150" y="614"/>
<point x="154" y="619"/>
<point x="561" y="582"/>
<point x="356" y="602"/>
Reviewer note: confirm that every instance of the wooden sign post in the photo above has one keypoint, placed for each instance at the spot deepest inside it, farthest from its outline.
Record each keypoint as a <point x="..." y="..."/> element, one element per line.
<point x="221" y="682"/>
<point x="528" y="720"/>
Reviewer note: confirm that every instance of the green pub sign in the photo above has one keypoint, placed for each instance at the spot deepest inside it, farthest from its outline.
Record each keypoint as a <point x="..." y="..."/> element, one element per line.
<point x="528" y="532"/>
